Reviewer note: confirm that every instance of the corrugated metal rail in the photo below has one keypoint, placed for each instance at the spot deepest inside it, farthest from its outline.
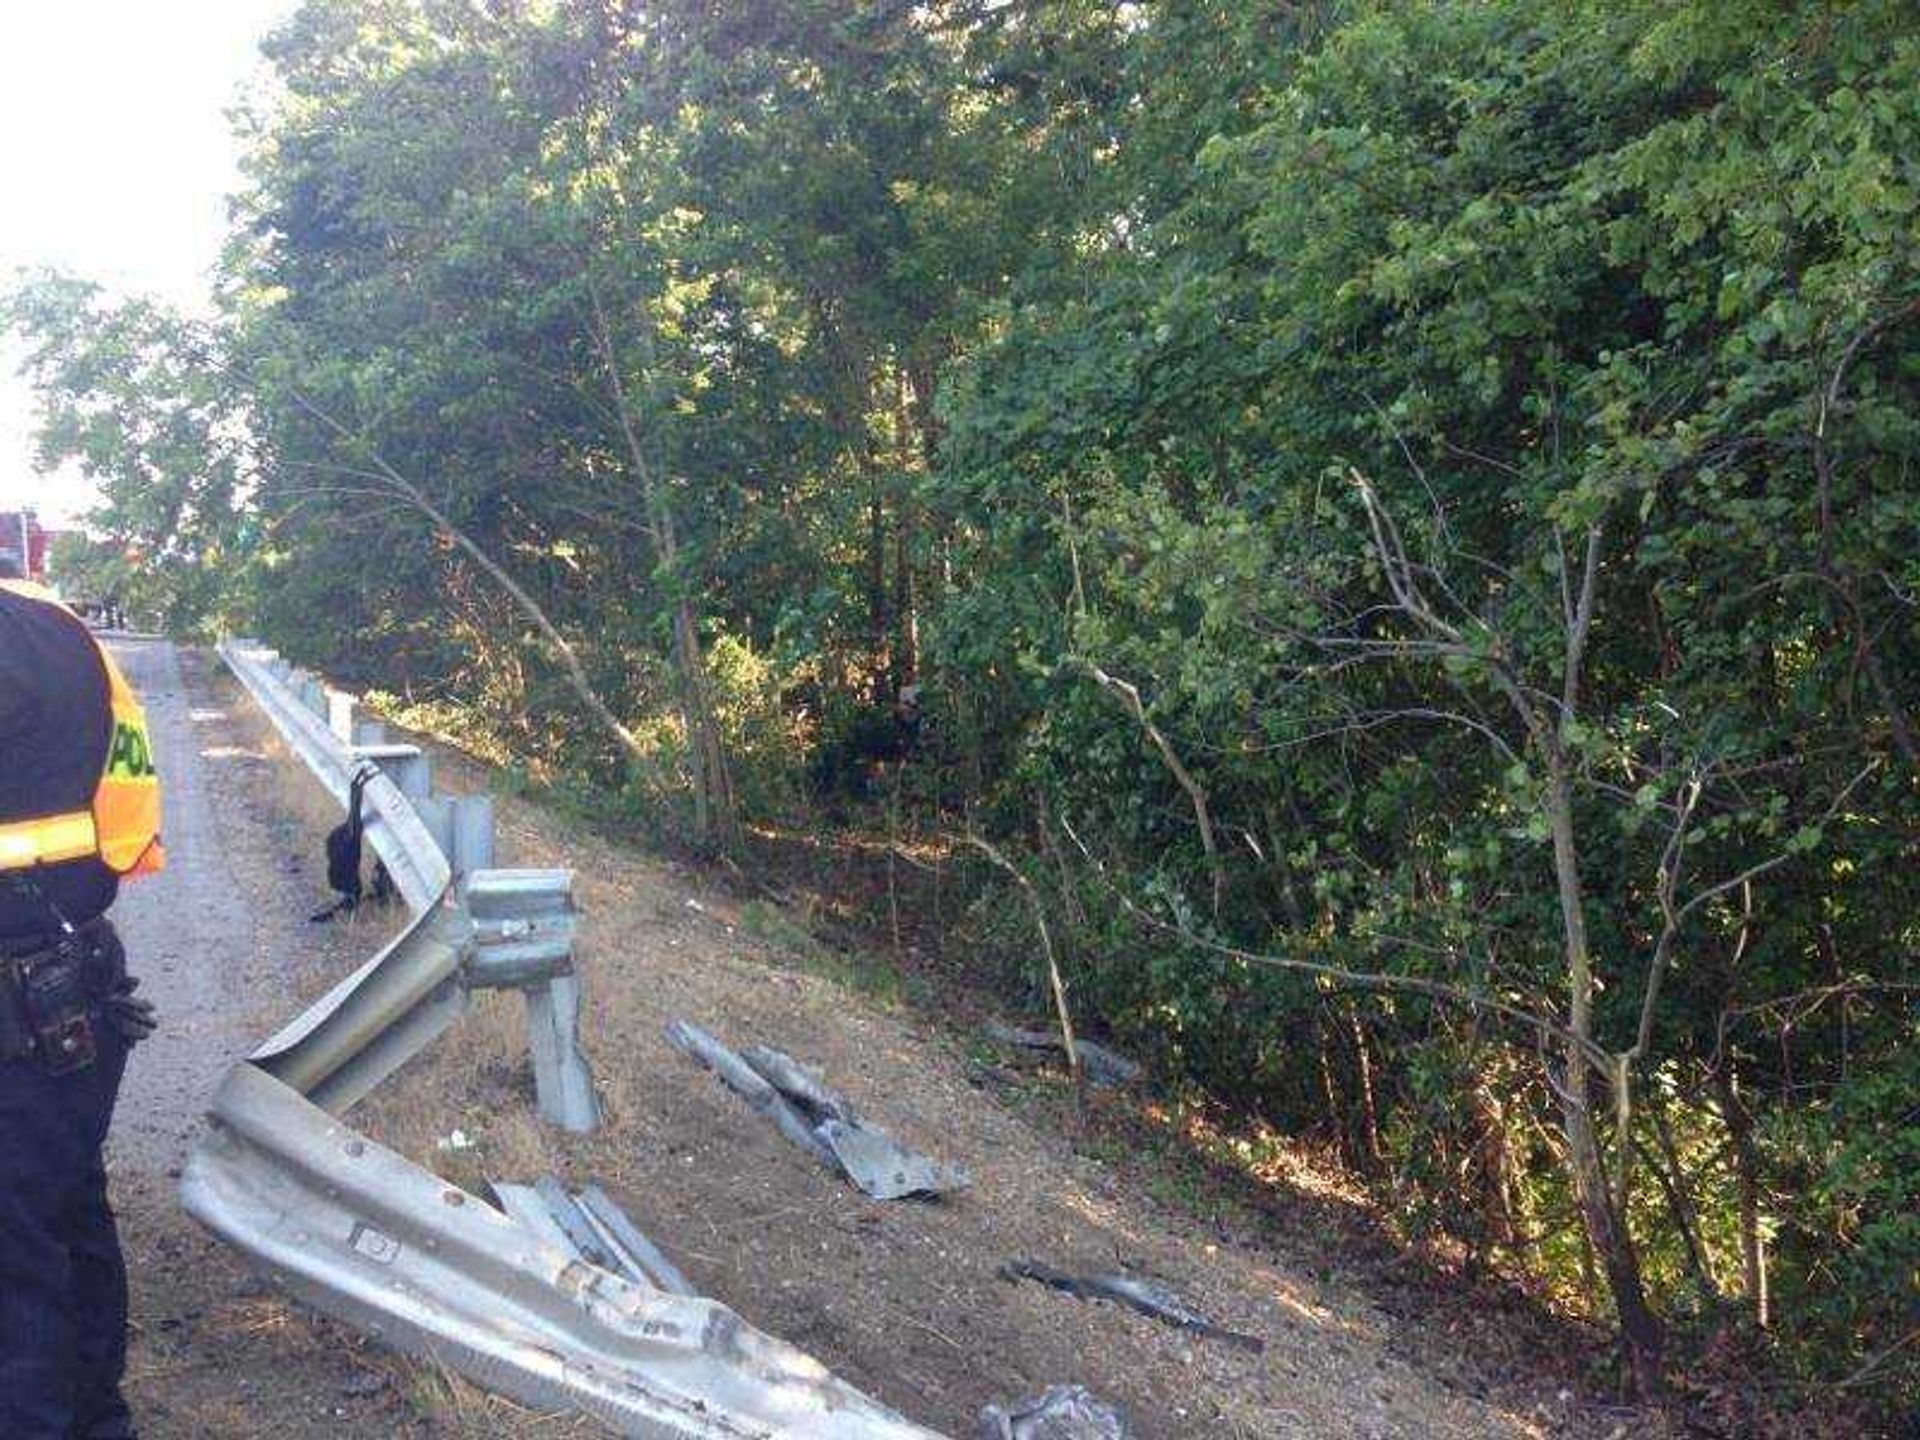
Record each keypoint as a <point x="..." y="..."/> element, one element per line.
<point x="367" y="1236"/>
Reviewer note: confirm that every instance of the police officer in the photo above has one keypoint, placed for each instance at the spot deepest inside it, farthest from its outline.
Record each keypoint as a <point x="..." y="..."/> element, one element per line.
<point x="79" y="811"/>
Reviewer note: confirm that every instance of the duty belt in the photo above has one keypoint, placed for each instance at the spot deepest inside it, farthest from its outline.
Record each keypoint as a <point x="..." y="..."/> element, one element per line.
<point x="72" y="972"/>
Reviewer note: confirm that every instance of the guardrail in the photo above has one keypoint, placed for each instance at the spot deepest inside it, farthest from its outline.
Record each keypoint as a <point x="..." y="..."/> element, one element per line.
<point x="505" y="928"/>
<point x="365" y="1235"/>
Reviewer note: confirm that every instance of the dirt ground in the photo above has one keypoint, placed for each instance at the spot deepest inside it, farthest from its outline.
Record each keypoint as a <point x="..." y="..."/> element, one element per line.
<point x="903" y="1299"/>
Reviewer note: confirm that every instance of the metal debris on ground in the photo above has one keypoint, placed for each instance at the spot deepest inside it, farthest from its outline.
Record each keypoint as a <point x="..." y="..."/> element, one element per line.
<point x="751" y="1086"/>
<point x="637" y="1254"/>
<point x="819" y="1119"/>
<point x="1102" y="1066"/>
<point x="1154" y="1301"/>
<point x="1064" y="1412"/>
<point x="587" y="1225"/>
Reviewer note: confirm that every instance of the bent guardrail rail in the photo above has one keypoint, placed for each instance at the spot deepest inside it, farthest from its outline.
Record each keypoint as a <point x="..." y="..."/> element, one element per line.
<point x="363" y="1234"/>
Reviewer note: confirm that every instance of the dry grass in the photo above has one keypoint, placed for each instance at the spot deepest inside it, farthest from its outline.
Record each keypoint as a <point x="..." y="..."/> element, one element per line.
<point x="903" y="1299"/>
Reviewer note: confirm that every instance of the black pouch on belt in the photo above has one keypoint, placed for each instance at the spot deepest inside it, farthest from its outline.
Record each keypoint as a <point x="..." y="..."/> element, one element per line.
<point x="59" y="1003"/>
<point x="16" y="1036"/>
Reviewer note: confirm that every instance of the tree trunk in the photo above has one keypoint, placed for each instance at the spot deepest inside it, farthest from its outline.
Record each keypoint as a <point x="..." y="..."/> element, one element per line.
<point x="1601" y="1210"/>
<point x="877" y="596"/>
<point x="1746" y="1163"/>
<point x="905" y="649"/>
<point x="1672" y="1176"/>
<point x="1496" y="1149"/>
<point x="1369" y="1111"/>
<point x="716" y="816"/>
<point x="1641" y="1341"/>
<point x="1330" y="1089"/>
<point x="911" y="445"/>
<point x="716" y="822"/>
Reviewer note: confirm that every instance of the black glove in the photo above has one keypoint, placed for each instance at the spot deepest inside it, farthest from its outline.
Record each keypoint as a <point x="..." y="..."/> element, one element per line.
<point x="133" y="1017"/>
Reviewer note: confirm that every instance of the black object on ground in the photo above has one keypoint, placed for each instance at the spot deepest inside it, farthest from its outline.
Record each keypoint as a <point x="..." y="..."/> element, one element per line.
<point x="1155" y="1301"/>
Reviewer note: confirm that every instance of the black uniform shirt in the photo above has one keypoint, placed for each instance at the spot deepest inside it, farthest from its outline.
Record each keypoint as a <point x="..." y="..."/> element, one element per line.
<point x="56" y="725"/>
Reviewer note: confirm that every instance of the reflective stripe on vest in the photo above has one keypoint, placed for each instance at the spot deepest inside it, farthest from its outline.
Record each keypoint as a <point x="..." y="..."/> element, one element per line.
<point x="48" y="841"/>
<point x="123" y="825"/>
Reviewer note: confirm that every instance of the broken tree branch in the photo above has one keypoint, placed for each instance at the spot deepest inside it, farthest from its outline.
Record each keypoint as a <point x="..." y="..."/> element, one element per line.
<point x="1129" y="696"/>
<point x="1059" y="985"/>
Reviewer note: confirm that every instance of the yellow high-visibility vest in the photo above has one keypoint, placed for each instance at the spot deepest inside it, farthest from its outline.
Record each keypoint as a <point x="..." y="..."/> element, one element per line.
<point x="122" y="825"/>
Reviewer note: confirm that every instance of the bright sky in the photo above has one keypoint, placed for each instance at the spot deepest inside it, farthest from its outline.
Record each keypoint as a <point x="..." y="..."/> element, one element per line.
<point x="115" y="164"/>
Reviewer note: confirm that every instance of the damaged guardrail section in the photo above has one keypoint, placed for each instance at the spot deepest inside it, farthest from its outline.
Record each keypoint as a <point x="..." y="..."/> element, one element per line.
<point x="367" y="1236"/>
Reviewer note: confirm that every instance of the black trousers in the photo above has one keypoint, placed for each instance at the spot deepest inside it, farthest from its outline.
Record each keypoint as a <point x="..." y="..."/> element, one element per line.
<point x="63" y="1283"/>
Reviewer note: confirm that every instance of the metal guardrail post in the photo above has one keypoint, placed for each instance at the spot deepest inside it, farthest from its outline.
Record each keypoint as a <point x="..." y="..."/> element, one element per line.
<point x="472" y="835"/>
<point x="560" y="1075"/>
<point x="405" y="765"/>
<point x="313" y="694"/>
<point x="462" y="826"/>
<point x="436" y="814"/>
<point x="340" y="715"/>
<point x="523" y="939"/>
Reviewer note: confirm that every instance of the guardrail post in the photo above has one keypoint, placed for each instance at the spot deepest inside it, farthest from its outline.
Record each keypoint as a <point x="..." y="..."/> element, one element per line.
<point x="462" y="826"/>
<point x="560" y="1075"/>
<point x="340" y="715"/>
<point x="407" y="767"/>
<point x="472" y="835"/>
<point x="523" y="924"/>
<point x="310" y="691"/>
<point x="436" y="813"/>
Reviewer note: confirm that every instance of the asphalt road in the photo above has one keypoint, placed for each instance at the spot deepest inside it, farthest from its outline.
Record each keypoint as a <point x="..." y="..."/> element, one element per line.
<point x="189" y="936"/>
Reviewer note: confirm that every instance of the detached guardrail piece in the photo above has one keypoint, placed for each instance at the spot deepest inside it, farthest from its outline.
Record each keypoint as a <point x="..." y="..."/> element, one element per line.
<point x="1154" y="1301"/>
<point x="590" y="1227"/>
<point x="1103" y="1066"/>
<point x="818" y="1119"/>
<point x="638" y="1255"/>
<point x="367" y="1236"/>
<point x="1063" y="1412"/>
<point x="524" y="1204"/>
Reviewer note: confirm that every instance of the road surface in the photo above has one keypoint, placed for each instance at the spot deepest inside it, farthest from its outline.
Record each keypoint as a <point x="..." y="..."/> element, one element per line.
<point x="189" y="936"/>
